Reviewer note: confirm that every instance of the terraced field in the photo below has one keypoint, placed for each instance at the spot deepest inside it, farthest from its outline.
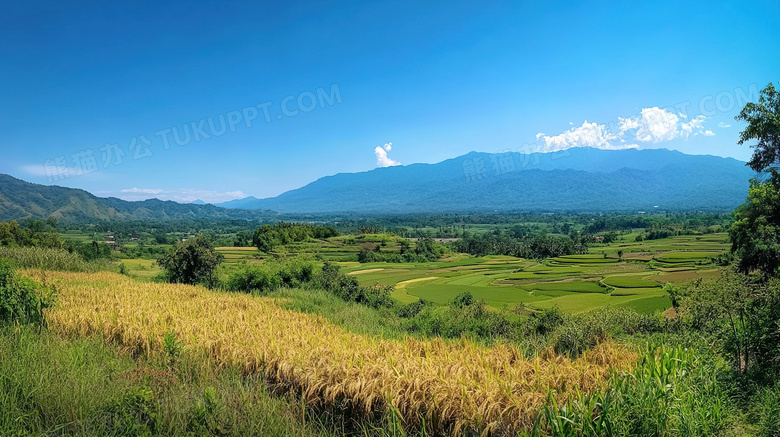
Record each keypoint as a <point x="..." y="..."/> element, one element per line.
<point x="574" y="283"/>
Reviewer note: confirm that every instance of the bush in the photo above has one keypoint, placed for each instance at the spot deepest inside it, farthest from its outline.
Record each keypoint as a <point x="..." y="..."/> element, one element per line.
<point x="463" y="299"/>
<point x="412" y="309"/>
<point x="21" y="300"/>
<point x="271" y="276"/>
<point x="191" y="262"/>
<point x="455" y="321"/>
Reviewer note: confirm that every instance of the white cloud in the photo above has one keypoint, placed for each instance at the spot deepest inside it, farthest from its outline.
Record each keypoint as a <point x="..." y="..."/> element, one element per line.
<point x="142" y="190"/>
<point x="722" y="124"/>
<point x="656" y="125"/>
<point x="54" y="172"/>
<point x="382" y="160"/>
<point x="651" y="125"/>
<point x="588" y="135"/>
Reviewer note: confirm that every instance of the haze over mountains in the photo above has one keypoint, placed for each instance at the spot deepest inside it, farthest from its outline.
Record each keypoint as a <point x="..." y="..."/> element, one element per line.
<point x="575" y="180"/>
<point x="20" y="200"/>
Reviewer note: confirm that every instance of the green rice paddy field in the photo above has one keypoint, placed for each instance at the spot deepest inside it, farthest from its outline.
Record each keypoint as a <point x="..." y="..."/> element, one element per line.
<point x="575" y="283"/>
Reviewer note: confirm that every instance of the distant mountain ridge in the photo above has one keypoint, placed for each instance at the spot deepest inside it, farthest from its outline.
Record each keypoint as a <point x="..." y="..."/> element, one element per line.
<point x="20" y="199"/>
<point x="577" y="179"/>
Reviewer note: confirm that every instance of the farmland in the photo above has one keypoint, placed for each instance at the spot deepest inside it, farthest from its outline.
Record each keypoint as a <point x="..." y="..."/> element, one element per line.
<point x="452" y="387"/>
<point x="575" y="283"/>
<point x="461" y="345"/>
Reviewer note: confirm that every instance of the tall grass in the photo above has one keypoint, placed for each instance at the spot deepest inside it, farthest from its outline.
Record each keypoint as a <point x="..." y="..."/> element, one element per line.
<point x="52" y="259"/>
<point x="447" y="387"/>
<point x="84" y="387"/>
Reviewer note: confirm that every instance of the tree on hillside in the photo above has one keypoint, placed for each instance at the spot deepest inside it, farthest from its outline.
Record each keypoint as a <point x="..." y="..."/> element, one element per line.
<point x="755" y="234"/>
<point x="763" y="120"/>
<point x="191" y="262"/>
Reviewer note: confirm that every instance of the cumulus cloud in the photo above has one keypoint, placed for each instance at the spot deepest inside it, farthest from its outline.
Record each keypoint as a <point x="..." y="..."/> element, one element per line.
<point x="651" y="125"/>
<point x="382" y="160"/>
<point x="588" y="135"/>
<point x="722" y="124"/>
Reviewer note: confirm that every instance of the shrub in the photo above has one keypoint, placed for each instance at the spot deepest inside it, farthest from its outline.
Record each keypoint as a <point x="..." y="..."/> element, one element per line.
<point x="191" y="262"/>
<point x="546" y="321"/>
<point x="21" y="300"/>
<point x="463" y="299"/>
<point x="271" y="276"/>
<point x="412" y="309"/>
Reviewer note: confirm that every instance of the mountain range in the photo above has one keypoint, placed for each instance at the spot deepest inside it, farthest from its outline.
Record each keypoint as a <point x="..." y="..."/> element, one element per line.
<point x="577" y="179"/>
<point x="20" y="200"/>
<point x="574" y="180"/>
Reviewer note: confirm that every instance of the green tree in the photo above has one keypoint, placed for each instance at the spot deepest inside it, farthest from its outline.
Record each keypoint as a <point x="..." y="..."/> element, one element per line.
<point x="191" y="262"/>
<point x="755" y="234"/>
<point x="763" y="120"/>
<point x="743" y="312"/>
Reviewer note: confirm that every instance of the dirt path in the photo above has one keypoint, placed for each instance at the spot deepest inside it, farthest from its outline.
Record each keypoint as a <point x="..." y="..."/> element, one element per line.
<point x="403" y="284"/>
<point x="360" y="272"/>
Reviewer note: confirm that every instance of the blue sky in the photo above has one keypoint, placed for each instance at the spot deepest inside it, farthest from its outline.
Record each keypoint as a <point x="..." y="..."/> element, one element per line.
<point x="221" y="100"/>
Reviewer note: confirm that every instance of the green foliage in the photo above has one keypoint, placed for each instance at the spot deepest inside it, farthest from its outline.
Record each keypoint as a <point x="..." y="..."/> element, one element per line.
<point x="674" y="391"/>
<point x="453" y="321"/>
<point x="171" y="346"/>
<point x="51" y="259"/>
<point x="191" y="262"/>
<point x="755" y="234"/>
<point x="206" y="415"/>
<point x="301" y="272"/>
<point x="763" y="119"/>
<point x="22" y="300"/>
<point x="33" y="234"/>
<point x="765" y="410"/>
<point x="744" y="314"/>
<point x="530" y="247"/>
<point x="412" y="309"/>
<point x="546" y="321"/>
<point x="267" y="237"/>
<point x="50" y="385"/>
<point x="425" y="250"/>
<point x="89" y="251"/>
<point x="463" y="299"/>
<point x="135" y="413"/>
<point x="272" y="275"/>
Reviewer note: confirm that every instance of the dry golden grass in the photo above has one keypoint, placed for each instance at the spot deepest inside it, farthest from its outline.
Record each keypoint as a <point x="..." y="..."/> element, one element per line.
<point x="453" y="386"/>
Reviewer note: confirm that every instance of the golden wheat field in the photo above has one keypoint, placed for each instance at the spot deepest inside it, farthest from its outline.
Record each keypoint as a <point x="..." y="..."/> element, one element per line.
<point x="451" y="386"/>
